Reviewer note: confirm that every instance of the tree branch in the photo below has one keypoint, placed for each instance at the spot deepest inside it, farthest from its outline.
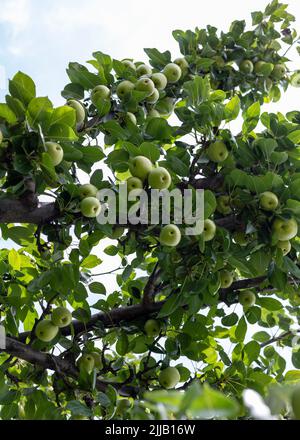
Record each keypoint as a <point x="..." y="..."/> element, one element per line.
<point x="17" y="211"/>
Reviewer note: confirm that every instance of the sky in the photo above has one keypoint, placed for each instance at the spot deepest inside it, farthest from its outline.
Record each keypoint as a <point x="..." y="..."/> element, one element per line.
<point x="40" y="38"/>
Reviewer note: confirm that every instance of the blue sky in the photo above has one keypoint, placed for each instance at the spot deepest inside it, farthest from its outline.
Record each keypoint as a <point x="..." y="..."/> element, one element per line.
<point x="41" y="37"/>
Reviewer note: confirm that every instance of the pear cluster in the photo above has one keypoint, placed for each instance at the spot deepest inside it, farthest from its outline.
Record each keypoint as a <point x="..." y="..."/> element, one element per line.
<point x="269" y="71"/>
<point x="90" y="206"/>
<point x="143" y="79"/>
<point x="90" y="361"/>
<point x="47" y="329"/>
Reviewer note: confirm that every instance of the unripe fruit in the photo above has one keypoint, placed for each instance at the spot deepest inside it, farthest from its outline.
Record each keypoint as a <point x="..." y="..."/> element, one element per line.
<point x="217" y="152"/>
<point x="165" y="106"/>
<point x="183" y="64"/>
<point x="79" y="110"/>
<point x="152" y="328"/>
<point x="160" y="80"/>
<point x="140" y="166"/>
<point x="268" y="201"/>
<point x="87" y="190"/>
<point x="153" y="98"/>
<point x="153" y="113"/>
<point x="209" y="230"/>
<point x="90" y="207"/>
<point x="172" y="72"/>
<point x="246" y="67"/>
<point x="100" y="92"/>
<point x="124" y="88"/>
<point x="285" y="246"/>
<point x="129" y="63"/>
<point x="130" y="117"/>
<point x="86" y="363"/>
<point x="145" y="85"/>
<point x="223" y="205"/>
<point x="143" y="69"/>
<point x="247" y="298"/>
<point x="61" y="317"/>
<point x="170" y="235"/>
<point x="278" y="72"/>
<point x="46" y="330"/>
<point x="55" y="152"/>
<point x="169" y="377"/>
<point x="159" y="178"/>
<point x="285" y="229"/>
<point x="226" y="279"/>
<point x="134" y="184"/>
<point x="263" y="69"/>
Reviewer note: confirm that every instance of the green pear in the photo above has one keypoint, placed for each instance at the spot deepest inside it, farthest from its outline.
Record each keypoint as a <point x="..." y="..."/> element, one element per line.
<point x="159" y="178"/>
<point x="278" y="72"/>
<point x="145" y="85"/>
<point x="209" y="230"/>
<point x="172" y="72"/>
<point x="130" y="117"/>
<point x="61" y="317"/>
<point x="285" y="246"/>
<point x="247" y="298"/>
<point x="153" y="98"/>
<point x="223" y="205"/>
<point x="246" y="67"/>
<point x="100" y="93"/>
<point x="86" y="363"/>
<point x="140" y="166"/>
<point x="129" y="63"/>
<point x="169" y="377"/>
<point x="87" y="190"/>
<point x="134" y="184"/>
<point x="90" y="207"/>
<point x="217" y="152"/>
<point x="261" y="68"/>
<point x="183" y="64"/>
<point x="170" y="235"/>
<point x="152" y="328"/>
<point x="268" y="201"/>
<point x="153" y="113"/>
<point x="46" y="330"/>
<point x="124" y="88"/>
<point x="160" y="80"/>
<point x="285" y="229"/>
<point x="143" y="69"/>
<point x="226" y="279"/>
<point x="55" y="152"/>
<point x="79" y="110"/>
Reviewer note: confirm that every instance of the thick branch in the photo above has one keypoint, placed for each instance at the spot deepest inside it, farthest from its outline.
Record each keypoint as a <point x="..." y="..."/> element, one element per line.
<point x="16" y="211"/>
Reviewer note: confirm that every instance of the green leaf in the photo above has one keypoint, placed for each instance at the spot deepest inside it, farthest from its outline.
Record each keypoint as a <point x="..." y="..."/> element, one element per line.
<point x="241" y="330"/>
<point x="294" y="136"/>
<point x="61" y="132"/>
<point x="63" y="115"/>
<point x="98" y="288"/>
<point x="197" y="91"/>
<point x="251" y="352"/>
<point x="48" y="168"/>
<point x="90" y="262"/>
<point x="14" y="259"/>
<point x="210" y="203"/>
<point x="158" y="128"/>
<point x="7" y="114"/>
<point x="79" y="74"/>
<point x="158" y="59"/>
<point x="22" y="87"/>
<point x="39" y="111"/>
<point x="73" y="91"/>
<point x="270" y="303"/>
<point x="232" y="108"/>
<point x="111" y="250"/>
<point x="150" y="150"/>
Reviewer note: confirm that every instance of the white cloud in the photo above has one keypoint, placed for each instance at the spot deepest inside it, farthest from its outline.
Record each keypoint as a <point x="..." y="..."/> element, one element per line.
<point x="16" y="15"/>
